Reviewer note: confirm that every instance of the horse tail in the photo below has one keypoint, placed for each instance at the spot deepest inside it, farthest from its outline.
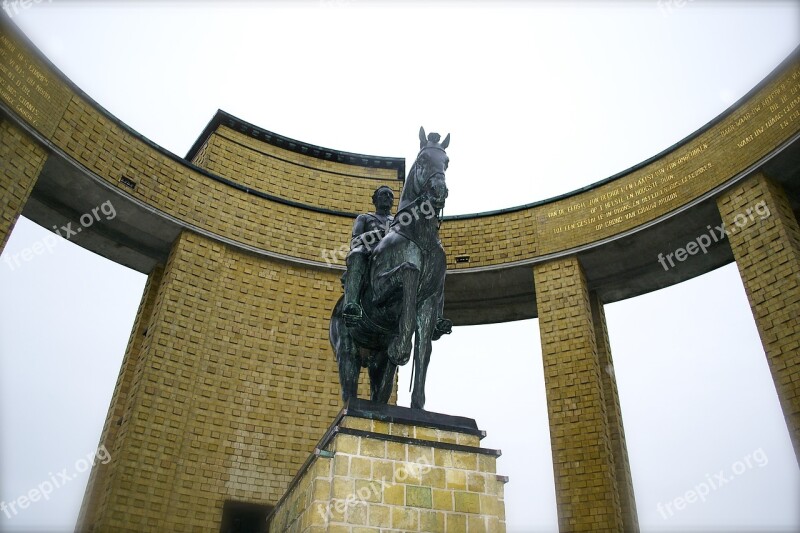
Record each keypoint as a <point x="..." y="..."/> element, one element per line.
<point x="334" y="330"/>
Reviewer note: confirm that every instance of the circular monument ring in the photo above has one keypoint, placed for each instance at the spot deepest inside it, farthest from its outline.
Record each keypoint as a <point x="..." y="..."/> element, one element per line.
<point x="248" y="228"/>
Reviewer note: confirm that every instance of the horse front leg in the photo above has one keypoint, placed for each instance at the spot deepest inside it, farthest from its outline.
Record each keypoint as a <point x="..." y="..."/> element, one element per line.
<point x="407" y="276"/>
<point x="426" y="321"/>
<point x="346" y="356"/>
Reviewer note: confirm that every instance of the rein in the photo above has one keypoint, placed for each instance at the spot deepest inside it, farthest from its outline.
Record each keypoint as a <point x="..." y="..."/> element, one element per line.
<point x="423" y="197"/>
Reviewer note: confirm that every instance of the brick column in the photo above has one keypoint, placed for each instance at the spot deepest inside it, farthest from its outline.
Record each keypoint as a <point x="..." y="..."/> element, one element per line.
<point x="228" y="383"/>
<point x="21" y="161"/>
<point x="581" y="434"/>
<point x="765" y="239"/>
<point x="101" y="472"/>
<point x="630" y="519"/>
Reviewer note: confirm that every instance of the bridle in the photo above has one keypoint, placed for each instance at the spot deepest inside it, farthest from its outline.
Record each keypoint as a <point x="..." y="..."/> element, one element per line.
<point x="423" y="196"/>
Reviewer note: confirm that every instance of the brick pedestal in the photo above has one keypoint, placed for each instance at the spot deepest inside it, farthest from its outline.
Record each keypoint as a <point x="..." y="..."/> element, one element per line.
<point x="387" y="467"/>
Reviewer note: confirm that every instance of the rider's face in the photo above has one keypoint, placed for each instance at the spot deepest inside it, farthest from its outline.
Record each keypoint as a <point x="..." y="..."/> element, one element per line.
<point x="384" y="199"/>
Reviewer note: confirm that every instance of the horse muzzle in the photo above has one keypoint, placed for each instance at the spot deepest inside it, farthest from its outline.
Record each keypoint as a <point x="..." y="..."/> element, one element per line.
<point x="438" y="190"/>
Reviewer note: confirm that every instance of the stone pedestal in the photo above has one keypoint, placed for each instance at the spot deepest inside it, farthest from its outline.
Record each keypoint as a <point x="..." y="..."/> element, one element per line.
<point x="382" y="467"/>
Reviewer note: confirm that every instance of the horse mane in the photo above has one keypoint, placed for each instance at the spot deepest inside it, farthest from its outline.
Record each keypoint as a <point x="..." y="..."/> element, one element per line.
<point x="404" y="195"/>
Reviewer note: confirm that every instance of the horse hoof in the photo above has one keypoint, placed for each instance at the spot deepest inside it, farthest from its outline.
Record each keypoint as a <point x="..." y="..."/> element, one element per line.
<point x="398" y="356"/>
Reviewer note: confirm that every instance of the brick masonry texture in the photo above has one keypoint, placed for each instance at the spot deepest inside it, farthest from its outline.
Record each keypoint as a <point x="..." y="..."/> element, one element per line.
<point x="373" y="485"/>
<point x="98" y="480"/>
<point x="27" y="86"/>
<point x="767" y="253"/>
<point x="89" y="136"/>
<point x="622" y="469"/>
<point x="230" y="385"/>
<point x="228" y="379"/>
<point x="587" y="495"/>
<point x="21" y="160"/>
<point x="294" y="176"/>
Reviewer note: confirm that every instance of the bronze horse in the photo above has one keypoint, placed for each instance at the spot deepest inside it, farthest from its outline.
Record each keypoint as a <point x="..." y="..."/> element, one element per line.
<point x="403" y="293"/>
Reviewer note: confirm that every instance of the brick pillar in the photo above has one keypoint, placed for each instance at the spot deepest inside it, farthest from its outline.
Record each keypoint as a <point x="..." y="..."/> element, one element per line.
<point x="21" y="161"/>
<point x="228" y="384"/>
<point x="765" y="239"/>
<point x="630" y="519"/>
<point x="100" y="472"/>
<point x="587" y="493"/>
<point x="154" y="444"/>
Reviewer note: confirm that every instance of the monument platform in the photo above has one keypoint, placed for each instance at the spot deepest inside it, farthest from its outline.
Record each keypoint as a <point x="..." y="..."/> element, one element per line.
<point x="384" y="467"/>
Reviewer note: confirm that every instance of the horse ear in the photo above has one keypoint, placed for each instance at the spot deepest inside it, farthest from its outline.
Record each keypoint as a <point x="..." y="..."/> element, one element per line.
<point x="422" y="138"/>
<point x="446" y="142"/>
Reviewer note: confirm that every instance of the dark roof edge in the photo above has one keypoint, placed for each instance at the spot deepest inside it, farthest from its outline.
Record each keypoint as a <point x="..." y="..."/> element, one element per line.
<point x="223" y="118"/>
<point x="793" y="56"/>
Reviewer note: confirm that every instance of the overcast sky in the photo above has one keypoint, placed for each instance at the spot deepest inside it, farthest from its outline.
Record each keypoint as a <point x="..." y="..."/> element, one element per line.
<point x="540" y="99"/>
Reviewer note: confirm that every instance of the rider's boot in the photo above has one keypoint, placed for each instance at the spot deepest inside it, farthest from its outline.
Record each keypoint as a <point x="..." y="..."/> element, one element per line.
<point x="352" y="312"/>
<point x="443" y="326"/>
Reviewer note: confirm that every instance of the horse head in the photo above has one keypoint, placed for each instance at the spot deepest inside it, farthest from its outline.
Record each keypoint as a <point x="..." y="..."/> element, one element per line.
<point x="426" y="185"/>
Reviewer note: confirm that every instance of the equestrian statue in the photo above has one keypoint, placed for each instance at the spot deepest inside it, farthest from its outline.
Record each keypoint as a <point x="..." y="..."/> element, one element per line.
<point x="394" y="283"/>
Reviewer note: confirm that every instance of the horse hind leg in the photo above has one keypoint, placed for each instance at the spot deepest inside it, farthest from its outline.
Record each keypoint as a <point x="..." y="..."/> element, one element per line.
<point x="347" y="357"/>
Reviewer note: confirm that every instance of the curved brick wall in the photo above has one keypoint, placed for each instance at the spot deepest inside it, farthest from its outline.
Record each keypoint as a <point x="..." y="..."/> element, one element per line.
<point x="676" y="177"/>
<point x="228" y="380"/>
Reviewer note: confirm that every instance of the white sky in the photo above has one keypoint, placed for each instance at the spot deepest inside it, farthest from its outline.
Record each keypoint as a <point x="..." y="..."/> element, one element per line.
<point x="540" y="99"/>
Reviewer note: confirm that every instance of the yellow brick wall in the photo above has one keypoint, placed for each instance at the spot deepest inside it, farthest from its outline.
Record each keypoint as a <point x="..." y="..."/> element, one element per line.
<point x="85" y="133"/>
<point x="753" y="130"/>
<point x="224" y="399"/>
<point x="98" y="480"/>
<point x="583" y="459"/>
<point x="96" y="142"/>
<point x="301" y="178"/>
<point x="27" y="85"/>
<point x="619" y="448"/>
<point x="303" y="510"/>
<point x="491" y="240"/>
<point x="21" y="160"/>
<point x="234" y="384"/>
<point x="373" y="485"/>
<point x="767" y="252"/>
